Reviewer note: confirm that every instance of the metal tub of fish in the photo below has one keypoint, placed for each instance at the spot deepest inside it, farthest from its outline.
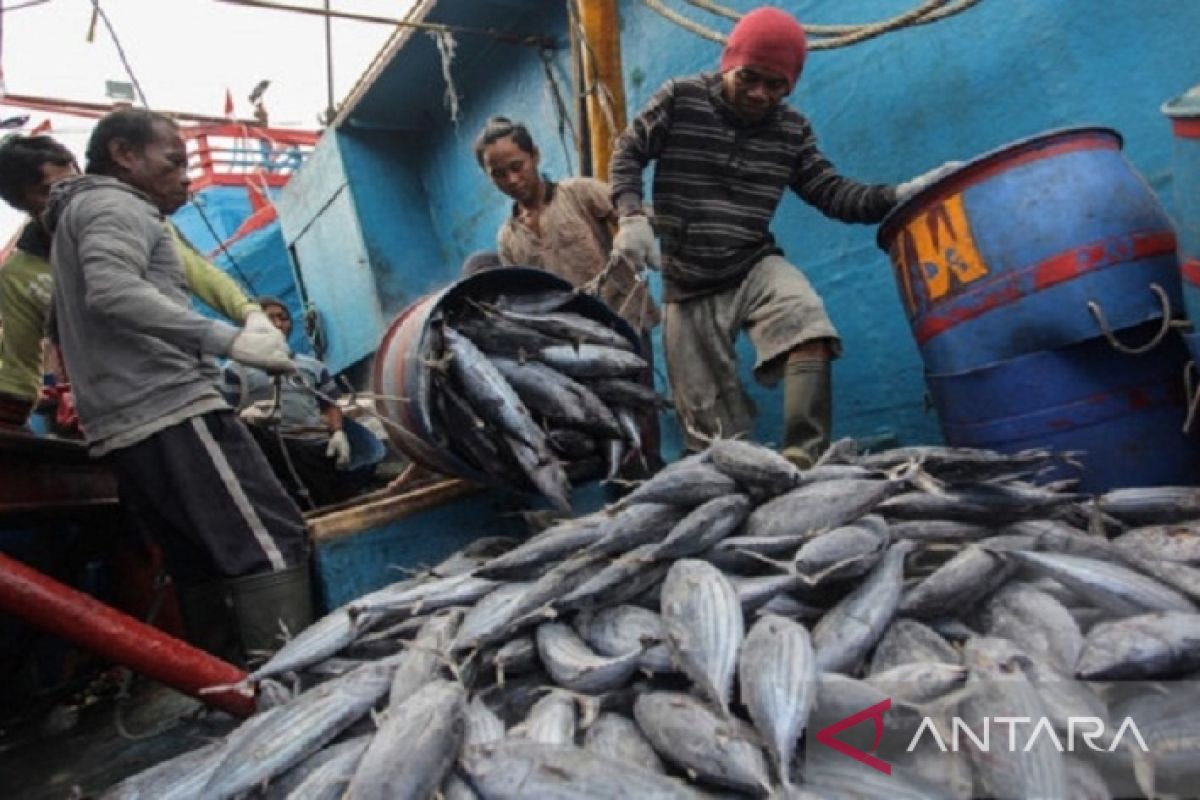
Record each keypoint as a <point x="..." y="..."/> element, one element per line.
<point x="1034" y="246"/>
<point x="456" y="370"/>
<point x="1123" y="413"/>
<point x="1184" y="113"/>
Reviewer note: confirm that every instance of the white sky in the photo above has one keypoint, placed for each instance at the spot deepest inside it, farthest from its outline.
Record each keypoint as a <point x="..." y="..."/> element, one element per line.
<point x="185" y="54"/>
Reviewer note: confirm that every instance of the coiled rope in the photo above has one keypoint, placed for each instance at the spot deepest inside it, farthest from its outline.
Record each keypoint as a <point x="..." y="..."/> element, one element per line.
<point x="827" y="37"/>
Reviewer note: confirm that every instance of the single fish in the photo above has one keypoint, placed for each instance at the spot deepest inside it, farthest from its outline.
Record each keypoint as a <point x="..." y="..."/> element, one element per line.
<point x="850" y="629"/>
<point x="1035" y="621"/>
<point x="711" y="748"/>
<point x="689" y="486"/>
<point x="622" y="629"/>
<point x="422" y="661"/>
<point x="573" y="664"/>
<point x="777" y="673"/>
<point x="630" y="394"/>
<point x="1158" y="645"/>
<point x="415" y="747"/>
<point x="908" y="641"/>
<point x="619" y="738"/>
<point x="1158" y="505"/>
<point x="819" y="507"/>
<point x="702" y="617"/>
<point x="261" y="749"/>
<point x="754" y="466"/>
<point x="591" y="361"/>
<point x="1109" y="586"/>
<point x="704" y="527"/>
<point x="960" y="583"/>
<point x="559" y="399"/>
<point x="998" y="687"/>
<point x="553" y="720"/>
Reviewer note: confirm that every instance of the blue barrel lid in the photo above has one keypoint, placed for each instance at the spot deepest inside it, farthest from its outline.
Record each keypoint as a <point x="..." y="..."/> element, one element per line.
<point x="1185" y="106"/>
<point x="970" y="171"/>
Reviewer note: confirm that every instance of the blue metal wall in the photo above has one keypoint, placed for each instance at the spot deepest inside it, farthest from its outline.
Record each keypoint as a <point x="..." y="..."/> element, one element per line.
<point x="407" y="257"/>
<point x="885" y="110"/>
<point x="325" y="243"/>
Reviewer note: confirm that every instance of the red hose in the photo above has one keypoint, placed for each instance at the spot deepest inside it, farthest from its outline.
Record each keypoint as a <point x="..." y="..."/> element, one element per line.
<point x="79" y="618"/>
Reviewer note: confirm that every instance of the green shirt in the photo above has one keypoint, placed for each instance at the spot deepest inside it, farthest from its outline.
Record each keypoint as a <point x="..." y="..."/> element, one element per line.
<point x="26" y="288"/>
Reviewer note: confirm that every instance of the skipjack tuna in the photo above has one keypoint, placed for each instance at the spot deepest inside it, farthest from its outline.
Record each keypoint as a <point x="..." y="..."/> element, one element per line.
<point x="704" y="634"/>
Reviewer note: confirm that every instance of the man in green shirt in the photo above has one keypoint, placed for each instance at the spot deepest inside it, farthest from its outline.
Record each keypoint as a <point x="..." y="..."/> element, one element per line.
<point x="29" y="166"/>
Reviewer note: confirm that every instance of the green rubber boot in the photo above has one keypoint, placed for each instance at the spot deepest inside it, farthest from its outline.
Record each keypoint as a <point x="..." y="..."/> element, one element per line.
<point x="267" y="604"/>
<point x="807" y="410"/>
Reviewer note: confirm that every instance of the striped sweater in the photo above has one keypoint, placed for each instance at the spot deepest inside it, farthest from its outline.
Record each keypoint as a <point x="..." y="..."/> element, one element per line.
<point x="719" y="181"/>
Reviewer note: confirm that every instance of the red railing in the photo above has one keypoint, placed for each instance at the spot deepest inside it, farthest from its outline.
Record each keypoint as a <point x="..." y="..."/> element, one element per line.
<point x="239" y="155"/>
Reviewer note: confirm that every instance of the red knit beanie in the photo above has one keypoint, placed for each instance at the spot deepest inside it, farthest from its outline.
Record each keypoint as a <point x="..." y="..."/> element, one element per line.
<point x="770" y="39"/>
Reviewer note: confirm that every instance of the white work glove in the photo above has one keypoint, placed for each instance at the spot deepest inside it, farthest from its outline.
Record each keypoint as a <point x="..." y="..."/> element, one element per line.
<point x="258" y="322"/>
<point x="338" y="449"/>
<point x="910" y="187"/>
<point x="257" y="413"/>
<point x="267" y="350"/>
<point x="635" y="241"/>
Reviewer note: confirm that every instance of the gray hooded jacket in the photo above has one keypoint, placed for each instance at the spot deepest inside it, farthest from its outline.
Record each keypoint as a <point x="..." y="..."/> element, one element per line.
<point x="138" y="356"/>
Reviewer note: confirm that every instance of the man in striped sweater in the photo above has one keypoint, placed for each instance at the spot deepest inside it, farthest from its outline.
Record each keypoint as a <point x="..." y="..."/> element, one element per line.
<point x="727" y="148"/>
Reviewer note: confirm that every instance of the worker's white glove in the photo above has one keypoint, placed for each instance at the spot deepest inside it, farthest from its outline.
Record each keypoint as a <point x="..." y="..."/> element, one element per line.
<point x="258" y="322"/>
<point x="259" y="413"/>
<point x="267" y="350"/>
<point x="338" y="449"/>
<point x="924" y="180"/>
<point x="635" y="241"/>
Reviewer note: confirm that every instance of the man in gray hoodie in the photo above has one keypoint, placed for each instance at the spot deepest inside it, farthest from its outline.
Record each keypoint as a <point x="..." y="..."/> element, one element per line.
<point x="143" y="369"/>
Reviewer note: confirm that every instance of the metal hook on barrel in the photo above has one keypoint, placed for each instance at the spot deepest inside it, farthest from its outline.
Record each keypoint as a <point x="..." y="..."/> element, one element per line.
<point x="1117" y="344"/>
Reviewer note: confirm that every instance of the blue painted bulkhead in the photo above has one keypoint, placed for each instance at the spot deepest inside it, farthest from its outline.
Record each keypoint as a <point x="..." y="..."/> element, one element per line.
<point x="393" y="200"/>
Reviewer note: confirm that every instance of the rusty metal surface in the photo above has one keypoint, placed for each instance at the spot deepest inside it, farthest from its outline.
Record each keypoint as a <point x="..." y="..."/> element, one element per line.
<point x="49" y="476"/>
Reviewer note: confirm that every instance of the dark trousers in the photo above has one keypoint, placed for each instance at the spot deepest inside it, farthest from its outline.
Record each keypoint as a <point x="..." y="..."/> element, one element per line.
<point x="203" y="491"/>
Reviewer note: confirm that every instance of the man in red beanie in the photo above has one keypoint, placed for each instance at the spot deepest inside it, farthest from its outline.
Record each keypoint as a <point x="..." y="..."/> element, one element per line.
<point x="727" y="147"/>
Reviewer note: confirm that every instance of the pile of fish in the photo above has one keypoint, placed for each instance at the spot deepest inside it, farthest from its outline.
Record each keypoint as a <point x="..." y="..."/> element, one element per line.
<point x="719" y="631"/>
<point x="531" y="394"/>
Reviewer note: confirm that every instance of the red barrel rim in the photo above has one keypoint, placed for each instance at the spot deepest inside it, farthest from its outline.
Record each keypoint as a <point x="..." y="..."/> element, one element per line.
<point x="989" y="164"/>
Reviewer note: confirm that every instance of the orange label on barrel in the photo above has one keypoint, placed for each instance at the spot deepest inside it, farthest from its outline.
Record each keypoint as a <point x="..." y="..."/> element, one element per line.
<point x="935" y="254"/>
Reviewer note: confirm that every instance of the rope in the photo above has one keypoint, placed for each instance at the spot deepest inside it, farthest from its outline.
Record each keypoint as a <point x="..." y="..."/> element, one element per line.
<point x="137" y="87"/>
<point x="198" y="202"/>
<point x="905" y="20"/>
<point x="593" y="85"/>
<point x="813" y="29"/>
<point x="685" y="23"/>
<point x="560" y="108"/>
<point x="387" y="421"/>
<point x="276" y="422"/>
<point x="447" y="47"/>
<point x="837" y="35"/>
<point x="1193" y="396"/>
<point x="161" y="582"/>
<point x="1120" y="347"/>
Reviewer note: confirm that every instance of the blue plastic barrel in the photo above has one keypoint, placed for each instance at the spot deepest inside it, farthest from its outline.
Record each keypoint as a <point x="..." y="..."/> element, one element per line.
<point x="1184" y="112"/>
<point x="1002" y="257"/>
<point x="1124" y="413"/>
